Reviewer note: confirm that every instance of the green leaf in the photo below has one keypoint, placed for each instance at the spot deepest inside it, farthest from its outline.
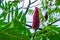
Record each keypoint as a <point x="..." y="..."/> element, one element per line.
<point x="16" y="12"/>
<point x="19" y="16"/>
<point x="15" y="3"/>
<point x="50" y="18"/>
<point x="3" y="15"/>
<point x="23" y="19"/>
<point x="41" y="16"/>
<point x="14" y="31"/>
<point x="30" y="11"/>
<point x="57" y="2"/>
<point x="49" y="33"/>
<point x="12" y="14"/>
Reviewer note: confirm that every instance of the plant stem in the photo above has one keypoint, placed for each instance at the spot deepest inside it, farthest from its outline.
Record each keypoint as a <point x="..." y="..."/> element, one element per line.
<point x="34" y="35"/>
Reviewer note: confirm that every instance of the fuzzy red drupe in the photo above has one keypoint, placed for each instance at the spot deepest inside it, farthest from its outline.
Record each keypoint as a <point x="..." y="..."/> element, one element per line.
<point x="36" y="19"/>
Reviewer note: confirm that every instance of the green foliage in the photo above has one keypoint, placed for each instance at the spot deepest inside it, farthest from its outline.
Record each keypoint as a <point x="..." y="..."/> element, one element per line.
<point x="41" y="16"/>
<point x="15" y="27"/>
<point x="57" y="10"/>
<point x="49" y="33"/>
<point x="30" y="11"/>
<point x="14" y="31"/>
<point x="57" y="2"/>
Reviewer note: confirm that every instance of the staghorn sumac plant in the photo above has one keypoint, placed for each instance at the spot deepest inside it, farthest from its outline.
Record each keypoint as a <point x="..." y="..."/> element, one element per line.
<point x="36" y="20"/>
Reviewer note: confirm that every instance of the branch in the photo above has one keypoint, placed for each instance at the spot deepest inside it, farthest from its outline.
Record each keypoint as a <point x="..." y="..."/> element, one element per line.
<point x="29" y="6"/>
<point x="47" y="25"/>
<point x="34" y="35"/>
<point x="53" y="22"/>
<point x="34" y="2"/>
<point x="28" y="25"/>
<point x="25" y="7"/>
